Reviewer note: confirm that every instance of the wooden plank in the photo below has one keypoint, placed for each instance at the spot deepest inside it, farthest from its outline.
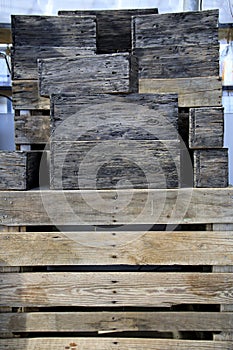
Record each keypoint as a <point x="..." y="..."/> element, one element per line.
<point x="5" y="35"/>
<point x="49" y="30"/>
<point x="32" y="127"/>
<point x="19" y="170"/>
<point x="24" y="58"/>
<point x="110" y="322"/>
<point x="97" y="73"/>
<point x="115" y="289"/>
<point x="25" y="95"/>
<point x="177" y="45"/>
<point x="113" y="27"/>
<point x="225" y="33"/>
<point x="107" y="207"/>
<point x="111" y="344"/>
<point x="211" y="167"/>
<point x="192" y="92"/>
<point x="114" y="163"/>
<point x="110" y="117"/>
<point x="114" y="247"/>
<point x="206" y="127"/>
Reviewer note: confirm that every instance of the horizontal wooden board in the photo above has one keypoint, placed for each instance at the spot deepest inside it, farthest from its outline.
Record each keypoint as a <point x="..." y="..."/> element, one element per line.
<point x="31" y="127"/>
<point x="97" y="73"/>
<point x="24" y="58"/>
<point x="111" y="344"/>
<point x="114" y="289"/>
<point x="111" y="322"/>
<point x="25" y="95"/>
<point x="109" y="117"/>
<point x="72" y="31"/>
<point x="113" y="27"/>
<point x="192" y="92"/>
<point x="114" y="247"/>
<point x="206" y="127"/>
<point x="19" y="170"/>
<point x="187" y="205"/>
<point x="211" y="167"/>
<point x="115" y="164"/>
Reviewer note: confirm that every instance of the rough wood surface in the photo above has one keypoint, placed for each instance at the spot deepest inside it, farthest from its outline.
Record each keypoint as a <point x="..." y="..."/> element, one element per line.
<point x="110" y="117"/>
<point x="113" y="27"/>
<point x="111" y="322"/>
<point x="109" y="248"/>
<point x="31" y="127"/>
<point x="115" y="289"/>
<point x="177" y="45"/>
<point x="206" y="127"/>
<point x="24" y="58"/>
<point x="187" y="205"/>
<point x="72" y="31"/>
<point x="111" y="344"/>
<point x="97" y="73"/>
<point x="19" y="170"/>
<point x="211" y="167"/>
<point x="25" y="95"/>
<point x="192" y="92"/>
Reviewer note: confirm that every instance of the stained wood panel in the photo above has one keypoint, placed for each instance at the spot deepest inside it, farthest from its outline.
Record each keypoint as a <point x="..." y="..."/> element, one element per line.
<point x="206" y="127"/>
<point x="113" y="247"/>
<point x="113" y="27"/>
<point x="99" y="73"/>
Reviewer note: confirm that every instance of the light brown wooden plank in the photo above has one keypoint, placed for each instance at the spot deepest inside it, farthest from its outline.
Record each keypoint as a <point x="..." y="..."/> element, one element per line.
<point x="192" y="92"/>
<point x="109" y="248"/>
<point x="110" y="344"/>
<point x="115" y="289"/>
<point x="110" y="322"/>
<point x="5" y="35"/>
<point x="187" y="205"/>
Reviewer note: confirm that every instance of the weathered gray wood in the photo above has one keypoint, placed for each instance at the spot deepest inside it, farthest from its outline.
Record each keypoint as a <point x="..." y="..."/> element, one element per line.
<point x="50" y="31"/>
<point x="111" y="322"/>
<point x="115" y="163"/>
<point x="113" y="27"/>
<point x="211" y="167"/>
<point x="110" y="117"/>
<point x="97" y="73"/>
<point x="32" y="127"/>
<point x="24" y="58"/>
<point x="111" y="344"/>
<point x="19" y="170"/>
<point x="115" y="289"/>
<point x="109" y="248"/>
<point x="206" y="127"/>
<point x="25" y="95"/>
<point x="192" y="92"/>
<point x="187" y="205"/>
<point x="177" y="45"/>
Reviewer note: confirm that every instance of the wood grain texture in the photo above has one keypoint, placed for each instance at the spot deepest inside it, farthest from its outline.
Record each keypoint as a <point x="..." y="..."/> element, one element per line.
<point x="25" y="95"/>
<point x="19" y="170"/>
<point x="111" y="117"/>
<point x="114" y="289"/>
<point x="72" y="31"/>
<point x="24" y="58"/>
<point x="177" y="45"/>
<point x="211" y="167"/>
<point x="206" y="127"/>
<point x="111" y="322"/>
<point x="113" y="27"/>
<point x="192" y="92"/>
<point x="111" y="344"/>
<point x="97" y="73"/>
<point x="110" y="248"/>
<point x="31" y="127"/>
<point x="187" y="205"/>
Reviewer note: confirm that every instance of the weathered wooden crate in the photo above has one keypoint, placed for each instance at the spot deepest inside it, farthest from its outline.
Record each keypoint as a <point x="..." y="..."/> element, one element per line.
<point x="101" y="73"/>
<point x="113" y="27"/>
<point x="19" y="170"/>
